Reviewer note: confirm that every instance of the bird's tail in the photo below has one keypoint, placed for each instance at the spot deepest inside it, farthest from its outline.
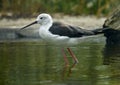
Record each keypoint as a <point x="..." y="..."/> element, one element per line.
<point x="100" y="30"/>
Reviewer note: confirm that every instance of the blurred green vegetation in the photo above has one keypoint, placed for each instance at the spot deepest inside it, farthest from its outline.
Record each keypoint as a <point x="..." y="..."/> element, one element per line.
<point x="27" y="8"/>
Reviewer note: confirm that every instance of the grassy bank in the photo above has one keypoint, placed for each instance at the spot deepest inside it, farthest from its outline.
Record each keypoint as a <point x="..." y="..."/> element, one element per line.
<point x="27" y="8"/>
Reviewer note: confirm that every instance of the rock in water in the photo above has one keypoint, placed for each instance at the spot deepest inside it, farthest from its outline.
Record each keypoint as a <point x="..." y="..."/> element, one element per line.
<point x="113" y="21"/>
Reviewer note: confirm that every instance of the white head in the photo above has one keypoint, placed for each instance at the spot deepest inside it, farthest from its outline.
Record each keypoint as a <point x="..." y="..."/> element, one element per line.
<point x="42" y="19"/>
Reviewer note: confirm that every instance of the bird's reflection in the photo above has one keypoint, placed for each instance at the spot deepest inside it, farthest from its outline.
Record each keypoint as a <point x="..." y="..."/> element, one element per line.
<point x="67" y="70"/>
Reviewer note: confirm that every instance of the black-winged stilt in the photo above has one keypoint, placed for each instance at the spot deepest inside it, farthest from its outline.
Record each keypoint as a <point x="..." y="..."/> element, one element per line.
<point x="60" y="34"/>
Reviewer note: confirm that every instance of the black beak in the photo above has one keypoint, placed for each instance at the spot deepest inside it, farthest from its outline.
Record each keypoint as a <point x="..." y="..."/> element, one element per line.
<point x="28" y="25"/>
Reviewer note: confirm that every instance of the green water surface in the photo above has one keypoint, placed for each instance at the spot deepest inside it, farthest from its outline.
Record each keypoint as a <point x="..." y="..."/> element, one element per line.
<point x="36" y="63"/>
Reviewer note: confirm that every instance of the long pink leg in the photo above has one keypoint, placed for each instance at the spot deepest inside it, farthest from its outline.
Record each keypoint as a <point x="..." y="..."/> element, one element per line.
<point x="73" y="55"/>
<point x="65" y="57"/>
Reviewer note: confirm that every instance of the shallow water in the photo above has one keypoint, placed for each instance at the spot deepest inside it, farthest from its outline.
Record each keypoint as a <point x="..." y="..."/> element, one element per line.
<point x="33" y="62"/>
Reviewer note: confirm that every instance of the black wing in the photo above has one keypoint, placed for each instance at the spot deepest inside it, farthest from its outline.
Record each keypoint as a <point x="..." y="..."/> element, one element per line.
<point x="67" y="30"/>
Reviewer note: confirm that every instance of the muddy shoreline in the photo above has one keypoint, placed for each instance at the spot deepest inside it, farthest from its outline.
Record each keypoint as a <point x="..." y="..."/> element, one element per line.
<point x="87" y="22"/>
<point x="9" y="28"/>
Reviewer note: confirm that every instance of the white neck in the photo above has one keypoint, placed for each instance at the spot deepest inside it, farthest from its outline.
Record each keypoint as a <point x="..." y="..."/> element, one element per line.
<point x="46" y="26"/>
<point x="44" y="31"/>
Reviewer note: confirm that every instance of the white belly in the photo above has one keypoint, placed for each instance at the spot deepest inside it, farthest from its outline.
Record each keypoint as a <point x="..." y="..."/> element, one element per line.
<point x="62" y="40"/>
<point x="56" y="39"/>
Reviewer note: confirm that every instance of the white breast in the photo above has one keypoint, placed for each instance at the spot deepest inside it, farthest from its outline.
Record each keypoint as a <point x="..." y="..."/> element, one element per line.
<point x="46" y="35"/>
